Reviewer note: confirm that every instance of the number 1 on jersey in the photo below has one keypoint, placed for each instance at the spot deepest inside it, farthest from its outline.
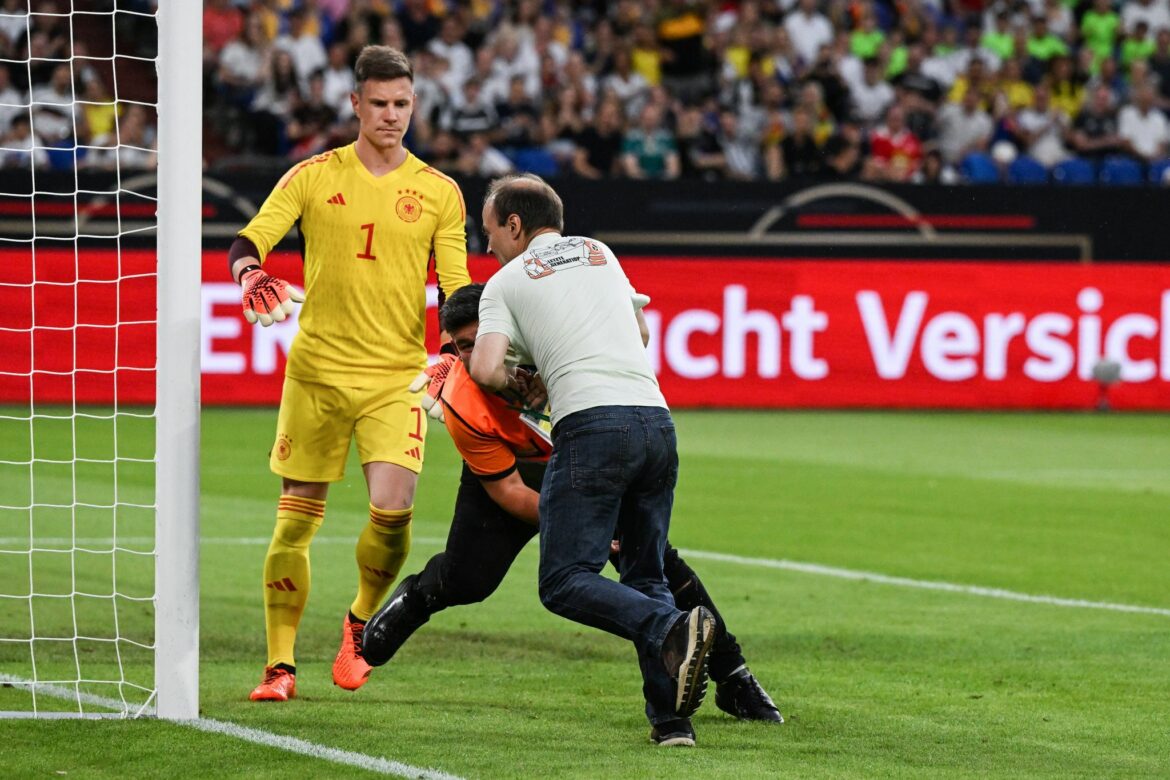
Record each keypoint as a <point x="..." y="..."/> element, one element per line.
<point x="369" y="243"/>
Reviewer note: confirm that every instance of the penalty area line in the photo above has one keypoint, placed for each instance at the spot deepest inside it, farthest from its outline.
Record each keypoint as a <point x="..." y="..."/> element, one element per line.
<point x="906" y="582"/>
<point x="245" y="733"/>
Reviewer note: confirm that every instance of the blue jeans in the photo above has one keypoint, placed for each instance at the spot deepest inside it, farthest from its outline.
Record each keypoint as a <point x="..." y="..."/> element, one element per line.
<point x="612" y="475"/>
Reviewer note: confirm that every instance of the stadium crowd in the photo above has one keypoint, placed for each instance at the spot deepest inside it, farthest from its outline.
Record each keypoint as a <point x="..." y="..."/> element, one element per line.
<point x="878" y="90"/>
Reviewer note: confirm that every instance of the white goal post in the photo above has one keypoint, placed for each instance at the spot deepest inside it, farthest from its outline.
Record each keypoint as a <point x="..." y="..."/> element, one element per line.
<point x="180" y="209"/>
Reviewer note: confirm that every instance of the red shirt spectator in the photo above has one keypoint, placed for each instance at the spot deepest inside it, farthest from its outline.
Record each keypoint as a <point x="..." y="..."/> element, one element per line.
<point x="897" y="150"/>
<point x="222" y="24"/>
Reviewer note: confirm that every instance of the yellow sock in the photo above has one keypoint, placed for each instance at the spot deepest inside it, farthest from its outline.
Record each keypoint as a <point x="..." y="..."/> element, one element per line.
<point x="286" y="573"/>
<point x="381" y="551"/>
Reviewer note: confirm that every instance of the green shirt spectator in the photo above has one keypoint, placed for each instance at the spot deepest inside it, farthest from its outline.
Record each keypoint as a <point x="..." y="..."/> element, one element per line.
<point x="863" y="44"/>
<point x="898" y="59"/>
<point x="1000" y="44"/>
<point x="1138" y="46"/>
<point x="1043" y="45"/>
<point x="1099" y="28"/>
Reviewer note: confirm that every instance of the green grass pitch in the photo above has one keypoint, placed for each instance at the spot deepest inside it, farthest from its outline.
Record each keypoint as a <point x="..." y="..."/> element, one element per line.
<point x="876" y="680"/>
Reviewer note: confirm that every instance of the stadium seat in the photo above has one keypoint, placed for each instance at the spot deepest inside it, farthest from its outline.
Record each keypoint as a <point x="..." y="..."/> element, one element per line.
<point x="536" y="161"/>
<point x="978" y="168"/>
<point x="1074" y="170"/>
<point x="1121" y="171"/>
<point x="1160" y="172"/>
<point x="1027" y="170"/>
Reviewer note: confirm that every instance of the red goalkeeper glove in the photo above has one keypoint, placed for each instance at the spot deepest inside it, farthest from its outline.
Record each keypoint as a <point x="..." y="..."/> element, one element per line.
<point x="431" y="379"/>
<point x="267" y="298"/>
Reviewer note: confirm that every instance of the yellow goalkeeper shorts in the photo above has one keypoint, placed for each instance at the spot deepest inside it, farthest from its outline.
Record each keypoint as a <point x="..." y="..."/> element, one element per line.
<point x="317" y="422"/>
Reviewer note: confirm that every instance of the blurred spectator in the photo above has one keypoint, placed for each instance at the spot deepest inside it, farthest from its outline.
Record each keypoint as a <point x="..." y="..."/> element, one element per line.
<point x="305" y="47"/>
<point x="648" y="150"/>
<point x="338" y="77"/>
<point x="843" y="156"/>
<point x="222" y="24"/>
<point x="1137" y="45"/>
<point x="599" y="145"/>
<point x="1067" y="90"/>
<point x="13" y="20"/>
<point x="802" y="154"/>
<point x="274" y="103"/>
<point x="963" y="128"/>
<point x="626" y="84"/>
<point x="1099" y="28"/>
<point x="1094" y="133"/>
<point x="1143" y="128"/>
<point x="450" y="46"/>
<point x="21" y="145"/>
<point x="512" y="59"/>
<point x="242" y="64"/>
<point x="740" y="145"/>
<point x="896" y="151"/>
<point x="873" y="95"/>
<point x="1043" y="44"/>
<point x="687" y="67"/>
<point x="645" y="55"/>
<point x="699" y="154"/>
<point x="479" y="158"/>
<point x="1012" y="91"/>
<point x="866" y="40"/>
<point x="418" y="23"/>
<point x="12" y="100"/>
<point x="1160" y="65"/>
<point x="808" y="29"/>
<point x="97" y="115"/>
<point x="1155" y="13"/>
<point x="1060" y="19"/>
<point x="133" y="147"/>
<point x="934" y="171"/>
<point x="518" y="117"/>
<point x="473" y="114"/>
<point x="309" y="127"/>
<point x="1040" y="129"/>
<point x="52" y="106"/>
<point x="999" y="39"/>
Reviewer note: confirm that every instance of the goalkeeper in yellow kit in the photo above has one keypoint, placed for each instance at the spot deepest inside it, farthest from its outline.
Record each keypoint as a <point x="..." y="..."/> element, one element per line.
<point x="371" y="216"/>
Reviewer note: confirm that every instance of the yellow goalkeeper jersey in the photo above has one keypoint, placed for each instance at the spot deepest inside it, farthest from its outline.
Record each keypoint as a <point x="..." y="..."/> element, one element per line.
<point x="366" y="244"/>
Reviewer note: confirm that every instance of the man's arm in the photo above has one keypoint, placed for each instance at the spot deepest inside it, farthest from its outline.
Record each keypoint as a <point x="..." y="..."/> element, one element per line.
<point x="487" y="367"/>
<point x="514" y="497"/>
<point x="642" y="327"/>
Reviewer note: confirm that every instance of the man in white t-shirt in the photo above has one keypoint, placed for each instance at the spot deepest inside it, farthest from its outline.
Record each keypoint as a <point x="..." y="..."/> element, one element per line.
<point x="564" y="304"/>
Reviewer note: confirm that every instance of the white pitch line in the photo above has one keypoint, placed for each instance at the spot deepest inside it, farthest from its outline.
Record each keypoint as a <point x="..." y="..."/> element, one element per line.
<point x="906" y="582"/>
<point x="768" y="563"/>
<point x="256" y="736"/>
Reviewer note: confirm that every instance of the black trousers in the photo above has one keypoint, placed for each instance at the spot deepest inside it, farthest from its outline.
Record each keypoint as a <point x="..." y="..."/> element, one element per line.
<point x="484" y="540"/>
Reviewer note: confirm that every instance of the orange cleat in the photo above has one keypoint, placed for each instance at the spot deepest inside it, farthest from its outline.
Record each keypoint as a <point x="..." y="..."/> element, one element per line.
<point x="278" y="685"/>
<point x="350" y="670"/>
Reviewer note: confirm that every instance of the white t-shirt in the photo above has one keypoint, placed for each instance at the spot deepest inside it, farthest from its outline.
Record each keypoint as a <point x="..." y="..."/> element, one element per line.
<point x="1147" y="132"/>
<point x="565" y="304"/>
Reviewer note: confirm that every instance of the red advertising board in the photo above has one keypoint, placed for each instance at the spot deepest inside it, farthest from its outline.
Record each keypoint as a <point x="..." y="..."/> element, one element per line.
<point x="724" y="332"/>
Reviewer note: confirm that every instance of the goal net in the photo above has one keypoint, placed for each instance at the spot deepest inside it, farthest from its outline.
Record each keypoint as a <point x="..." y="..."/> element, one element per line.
<point x="99" y="219"/>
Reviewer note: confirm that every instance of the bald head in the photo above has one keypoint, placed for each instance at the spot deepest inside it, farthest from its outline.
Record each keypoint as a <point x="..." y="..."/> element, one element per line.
<point x="530" y="198"/>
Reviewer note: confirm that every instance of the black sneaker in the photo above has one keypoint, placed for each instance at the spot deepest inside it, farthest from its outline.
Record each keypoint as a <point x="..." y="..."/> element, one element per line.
<point x="388" y="630"/>
<point x="684" y="653"/>
<point x="742" y="695"/>
<point x="674" y="733"/>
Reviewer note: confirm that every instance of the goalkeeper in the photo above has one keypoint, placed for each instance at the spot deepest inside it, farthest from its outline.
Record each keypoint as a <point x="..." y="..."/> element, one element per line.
<point x="371" y="217"/>
<point x="505" y="453"/>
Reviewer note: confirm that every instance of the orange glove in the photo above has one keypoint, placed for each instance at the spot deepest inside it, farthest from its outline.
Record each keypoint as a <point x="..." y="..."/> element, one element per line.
<point x="267" y="298"/>
<point x="431" y="379"/>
